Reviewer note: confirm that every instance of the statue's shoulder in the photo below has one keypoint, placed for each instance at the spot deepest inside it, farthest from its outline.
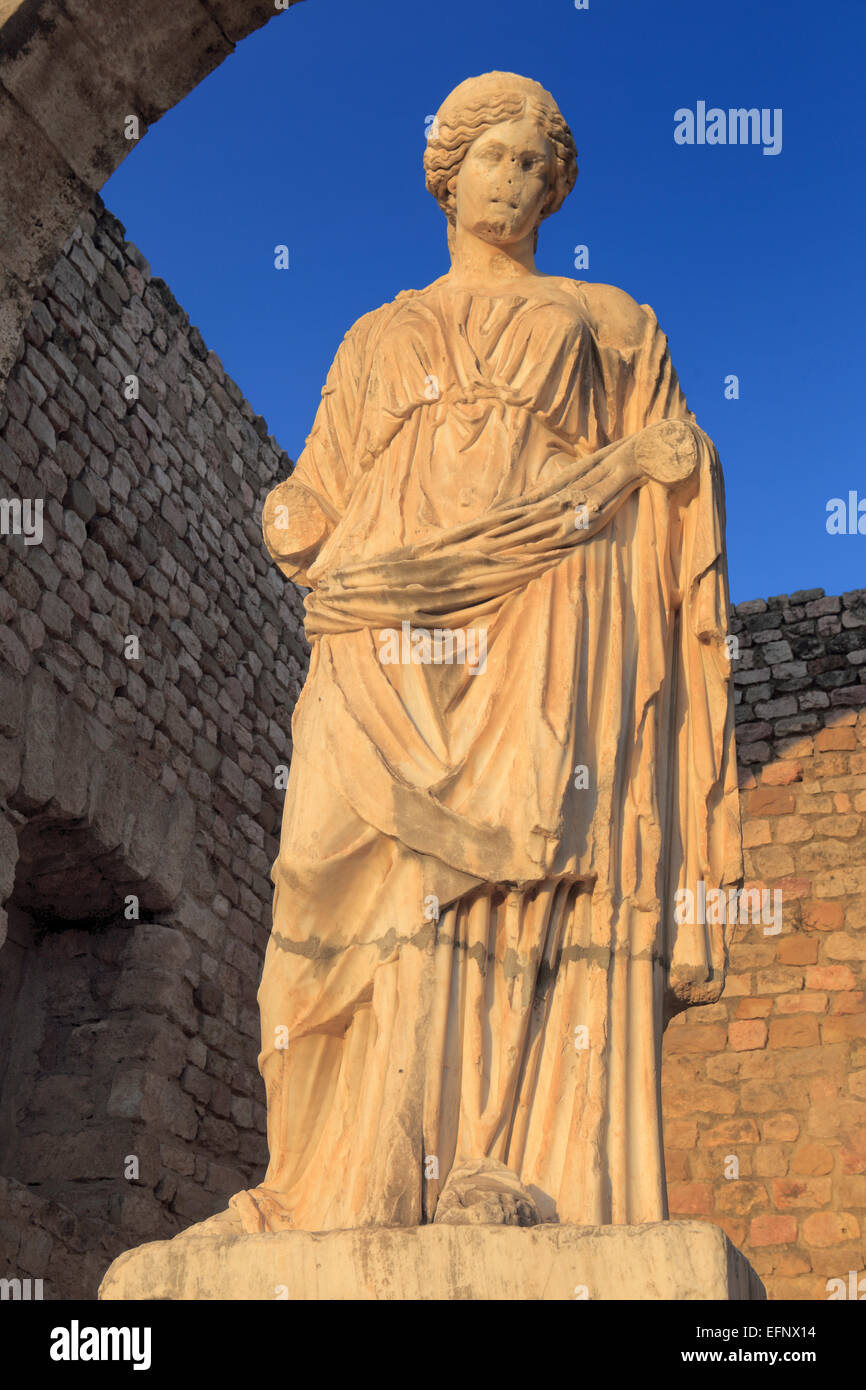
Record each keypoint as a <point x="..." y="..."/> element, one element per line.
<point x="616" y="318"/>
<point x="368" y="327"/>
<point x="406" y="295"/>
<point x="367" y="324"/>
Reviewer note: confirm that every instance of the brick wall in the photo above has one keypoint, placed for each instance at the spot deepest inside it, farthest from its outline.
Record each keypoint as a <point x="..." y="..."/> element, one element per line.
<point x="774" y="1076"/>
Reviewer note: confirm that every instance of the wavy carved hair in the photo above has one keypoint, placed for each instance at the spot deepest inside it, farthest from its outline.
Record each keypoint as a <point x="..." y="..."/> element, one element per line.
<point x="474" y="107"/>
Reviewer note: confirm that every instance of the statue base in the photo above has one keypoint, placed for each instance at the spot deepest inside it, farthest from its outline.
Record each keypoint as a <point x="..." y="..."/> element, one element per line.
<point x="682" y="1260"/>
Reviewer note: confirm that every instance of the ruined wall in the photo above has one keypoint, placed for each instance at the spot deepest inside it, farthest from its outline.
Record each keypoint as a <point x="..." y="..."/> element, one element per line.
<point x="71" y="75"/>
<point x="138" y="806"/>
<point x="152" y="777"/>
<point x="774" y="1076"/>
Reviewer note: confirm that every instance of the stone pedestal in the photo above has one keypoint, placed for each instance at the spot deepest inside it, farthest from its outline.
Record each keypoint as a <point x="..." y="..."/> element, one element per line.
<point x="682" y="1260"/>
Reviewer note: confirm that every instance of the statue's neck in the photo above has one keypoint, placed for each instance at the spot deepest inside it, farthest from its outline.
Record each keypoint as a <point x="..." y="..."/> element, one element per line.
<point x="475" y="261"/>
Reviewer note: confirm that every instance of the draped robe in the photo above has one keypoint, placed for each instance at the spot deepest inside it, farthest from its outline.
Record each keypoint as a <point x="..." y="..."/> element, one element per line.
<point x="474" y="951"/>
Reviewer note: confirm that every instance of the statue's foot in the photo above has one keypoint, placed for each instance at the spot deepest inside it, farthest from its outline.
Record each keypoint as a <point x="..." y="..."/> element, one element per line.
<point x="485" y="1192"/>
<point x="224" y="1223"/>
<point x="249" y="1213"/>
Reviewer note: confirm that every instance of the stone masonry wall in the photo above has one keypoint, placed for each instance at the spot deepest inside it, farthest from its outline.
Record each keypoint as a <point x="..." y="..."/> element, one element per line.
<point x="139" y="817"/>
<point x="129" y="1094"/>
<point x="774" y="1076"/>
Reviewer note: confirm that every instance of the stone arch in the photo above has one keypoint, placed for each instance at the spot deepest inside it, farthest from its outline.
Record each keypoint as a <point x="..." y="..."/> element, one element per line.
<point x="95" y="1002"/>
<point x="77" y="797"/>
<point x="71" y="71"/>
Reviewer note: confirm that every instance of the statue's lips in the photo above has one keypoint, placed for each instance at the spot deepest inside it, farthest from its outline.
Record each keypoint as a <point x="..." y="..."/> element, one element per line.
<point x="499" y="210"/>
<point x="498" y="223"/>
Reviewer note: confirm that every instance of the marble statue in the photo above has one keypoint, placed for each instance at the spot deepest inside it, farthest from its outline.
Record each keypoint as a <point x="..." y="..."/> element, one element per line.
<point x="515" y="742"/>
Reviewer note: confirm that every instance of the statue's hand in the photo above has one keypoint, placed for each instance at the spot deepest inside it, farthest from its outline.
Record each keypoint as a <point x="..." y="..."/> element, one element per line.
<point x="294" y="527"/>
<point x="667" y="452"/>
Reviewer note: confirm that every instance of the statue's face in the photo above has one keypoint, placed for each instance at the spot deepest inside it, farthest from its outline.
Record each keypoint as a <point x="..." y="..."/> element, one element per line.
<point x="503" y="182"/>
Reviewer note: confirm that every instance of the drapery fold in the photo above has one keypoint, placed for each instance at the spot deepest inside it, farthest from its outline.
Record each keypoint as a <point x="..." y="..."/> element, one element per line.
<point x="477" y="868"/>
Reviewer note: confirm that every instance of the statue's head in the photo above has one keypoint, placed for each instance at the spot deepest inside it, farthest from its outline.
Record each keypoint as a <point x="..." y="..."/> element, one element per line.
<point x="500" y="157"/>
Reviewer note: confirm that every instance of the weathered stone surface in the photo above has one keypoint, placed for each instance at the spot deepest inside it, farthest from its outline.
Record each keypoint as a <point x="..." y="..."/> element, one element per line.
<point x="70" y="75"/>
<point x="8" y="857"/>
<point x="29" y="237"/>
<point x="111" y="815"/>
<point x="682" y="1260"/>
<point x="14" y="304"/>
<point x="43" y="1240"/>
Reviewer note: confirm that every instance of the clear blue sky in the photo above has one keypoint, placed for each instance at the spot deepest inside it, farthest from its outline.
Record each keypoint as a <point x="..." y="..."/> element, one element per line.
<point x="312" y="135"/>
